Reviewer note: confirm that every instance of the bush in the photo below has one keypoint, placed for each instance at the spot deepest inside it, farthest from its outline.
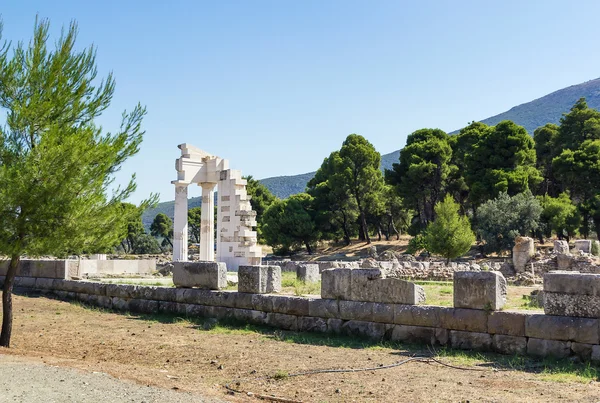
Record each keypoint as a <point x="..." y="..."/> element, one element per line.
<point x="416" y="244"/>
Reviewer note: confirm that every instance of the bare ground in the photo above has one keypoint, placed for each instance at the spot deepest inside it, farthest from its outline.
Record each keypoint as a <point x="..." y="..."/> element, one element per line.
<point x="179" y="354"/>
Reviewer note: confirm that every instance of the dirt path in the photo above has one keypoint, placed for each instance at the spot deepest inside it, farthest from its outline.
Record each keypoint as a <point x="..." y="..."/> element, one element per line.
<point x="167" y="352"/>
<point x="23" y="379"/>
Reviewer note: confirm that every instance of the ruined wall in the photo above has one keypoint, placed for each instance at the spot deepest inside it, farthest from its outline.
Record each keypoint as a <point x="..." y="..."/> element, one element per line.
<point x="462" y="328"/>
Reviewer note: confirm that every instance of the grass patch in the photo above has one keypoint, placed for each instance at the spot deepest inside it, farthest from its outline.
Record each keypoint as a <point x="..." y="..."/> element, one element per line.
<point x="289" y="283"/>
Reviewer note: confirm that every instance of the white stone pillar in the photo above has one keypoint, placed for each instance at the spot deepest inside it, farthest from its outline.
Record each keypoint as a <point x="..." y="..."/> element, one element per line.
<point x="180" y="225"/>
<point x="207" y="223"/>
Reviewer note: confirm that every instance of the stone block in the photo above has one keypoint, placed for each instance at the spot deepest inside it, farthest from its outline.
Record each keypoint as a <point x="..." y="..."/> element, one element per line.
<point x="335" y="326"/>
<point x="323" y="308"/>
<point x="195" y="296"/>
<point x="511" y="345"/>
<point x="582" y="330"/>
<point x="311" y="324"/>
<point x="120" y="304"/>
<point x="572" y="283"/>
<point x="415" y="334"/>
<point x="233" y="299"/>
<point x="585" y="306"/>
<point x="290" y="305"/>
<point x="479" y="290"/>
<point x="596" y="354"/>
<point x="370" y="330"/>
<point x="523" y="251"/>
<point x="417" y="315"/>
<point x="383" y="313"/>
<point x="396" y="291"/>
<point x="205" y="275"/>
<point x="470" y="320"/>
<point x="336" y="283"/>
<point x="282" y="321"/>
<point x="261" y="302"/>
<point x="143" y="306"/>
<point x="26" y="282"/>
<point x="564" y="261"/>
<point x="44" y="283"/>
<point x="548" y="348"/>
<point x="195" y="311"/>
<point x="356" y="310"/>
<point x="259" y="279"/>
<point x="112" y="290"/>
<point x="362" y="284"/>
<point x="167" y="294"/>
<point x="507" y="323"/>
<point x="145" y="292"/>
<point x="561" y="247"/>
<point x="583" y="245"/>
<point x="470" y="340"/>
<point x="169" y="307"/>
<point x="582" y="350"/>
<point x="101" y="301"/>
<point x="308" y="273"/>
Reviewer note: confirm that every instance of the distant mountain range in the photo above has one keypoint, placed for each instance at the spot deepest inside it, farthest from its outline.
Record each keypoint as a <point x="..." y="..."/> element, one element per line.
<point x="531" y="115"/>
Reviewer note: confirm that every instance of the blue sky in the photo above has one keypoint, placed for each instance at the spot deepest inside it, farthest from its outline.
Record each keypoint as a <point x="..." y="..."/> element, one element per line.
<point x="275" y="86"/>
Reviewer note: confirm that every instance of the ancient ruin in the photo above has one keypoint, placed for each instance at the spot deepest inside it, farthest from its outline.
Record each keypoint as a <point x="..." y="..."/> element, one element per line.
<point x="236" y="241"/>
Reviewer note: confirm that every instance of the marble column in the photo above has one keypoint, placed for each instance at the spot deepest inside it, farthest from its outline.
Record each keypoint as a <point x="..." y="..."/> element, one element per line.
<point x="180" y="225"/>
<point x="207" y="223"/>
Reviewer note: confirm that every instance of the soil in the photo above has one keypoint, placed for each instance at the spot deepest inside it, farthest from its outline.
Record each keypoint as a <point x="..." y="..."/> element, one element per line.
<point x="171" y="353"/>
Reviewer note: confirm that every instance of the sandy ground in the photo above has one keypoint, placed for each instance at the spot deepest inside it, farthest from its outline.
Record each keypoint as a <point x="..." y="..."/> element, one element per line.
<point x="177" y="354"/>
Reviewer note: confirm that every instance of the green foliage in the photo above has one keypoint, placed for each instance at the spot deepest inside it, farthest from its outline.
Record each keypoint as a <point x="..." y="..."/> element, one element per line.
<point x="501" y="220"/>
<point x="450" y="234"/>
<point x="580" y="124"/>
<point x="162" y="226"/>
<point x="146" y="244"/>
<point x="503" y="160"/>
<point x="261" y="199"/>
<point x="357" y="173"/>
<point x="421" y="176"/>
<point x="289" y="224"/>
<point x="194" y="220"/>
<point x="559" y="215"/>
<point x="134" y="226"/>
<point x="545" y="139"/>
<point x="416" y="244"/>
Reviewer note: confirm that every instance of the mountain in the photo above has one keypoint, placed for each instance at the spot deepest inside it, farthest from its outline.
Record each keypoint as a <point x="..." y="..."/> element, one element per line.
<point x="531" y="115"/>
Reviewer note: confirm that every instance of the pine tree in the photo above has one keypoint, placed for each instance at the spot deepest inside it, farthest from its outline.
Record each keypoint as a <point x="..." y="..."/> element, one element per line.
<point x="450" y="234"/>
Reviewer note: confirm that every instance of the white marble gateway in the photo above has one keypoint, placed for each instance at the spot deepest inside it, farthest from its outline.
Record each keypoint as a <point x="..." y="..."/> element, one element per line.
<point x="236" y="240"/>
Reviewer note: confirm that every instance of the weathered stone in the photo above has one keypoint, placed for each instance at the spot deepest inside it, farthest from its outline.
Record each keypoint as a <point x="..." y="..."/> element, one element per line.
<point x="548" y="348"/>
<point x="259" y="279"/>
<point x="308" y="273"/>
<point x="396" y="291"/>
<point x="582" y="330"/>
<point x="416" y="334"/>
<point x="195" y="311"/>
<point x="112" y="290"/>
<point x="479" y="290"/>
<point x="572" y="283"/>
<point x="361" y="284"/>
<point x="282" y="321"/>
<point x="583" y="245"/>
<point x="170" y="307"/>
<point x="383" y="313"/>
<point x="561" y="247"/>
<point x="442" y="336"/>
<point x="323" y="308"/>
<point x="523" y="251"/>
<point x="120" y="304"/>
<point x="371" y="330"/>
<point x="417" y="315"/>
<point x="336" y="283"/>
<point x="582" y="350"/>
<point x="470" y="320"/>
<point x="334" y="325"/>
<point x="26" y="282"/>
<point x="165" y="294"/>
<point x="143" y="306"/>
<point x="564" y="261"/>
<point x="559" y="304"/>
<point x="596" y="354"/>
<point x="470" y="340"/>
<point x="311" y="324"/>
<point x="507" y="323"/>
<point x="44" y="283"/>
<point x="205" y="275"/>
<point x="356" y="310"/>
<point x="194" y="296"/>
<point x="512" y="345"/>
<point x="290" y="305"/>
<point x="262" y="303"/>
<point x="101" y="301"/>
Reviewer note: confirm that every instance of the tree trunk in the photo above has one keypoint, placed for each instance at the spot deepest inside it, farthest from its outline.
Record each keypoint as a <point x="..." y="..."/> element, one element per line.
<point x="345" y="228"/>
<point x="7" y="311"/>
<point x="392" y="225"/>
<point x="364" y="227"/>
<point x="308" y="248"/>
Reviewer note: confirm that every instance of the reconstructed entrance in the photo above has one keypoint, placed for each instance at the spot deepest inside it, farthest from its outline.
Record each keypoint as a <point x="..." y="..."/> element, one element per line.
<point x="236" y="240"/>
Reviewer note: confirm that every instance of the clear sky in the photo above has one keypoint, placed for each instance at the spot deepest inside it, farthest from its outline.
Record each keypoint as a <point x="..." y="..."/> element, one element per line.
<point x="275" y="86"/>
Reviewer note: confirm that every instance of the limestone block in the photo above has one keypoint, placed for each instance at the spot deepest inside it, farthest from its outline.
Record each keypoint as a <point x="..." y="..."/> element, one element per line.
<point x="282" y="321"/>
<point x="289" y="266"/>
<point x="582" y="330"/>
<point x="335" y="326"/>
<point x="233" y="299"/>
<point x="311" y="324"/>
<point x="507" y="323"/>
<point x="195" y="311"/>
<point x="548" y="348"/>
<point x="361" y="284"/>
<point x="205" y="275"/>
<point x="585" y="306"/>
<point x="511" y="345"/>
<point x="523" y="251"/>
<point x="356" y="310"/>
<point x="259" y="279"/>
<point x="372" y="286"/>
<point x="595" y="354"/>
<point x="582" y="350"/>
<point x="415" y="334"/>
<point x="261" y="302"/>
<point x="371" y="330"/>
<point x="561" y="247"/>
<point x="44" y="283"/>
<point x="308" y="273"/>
<point x="470" y="320"/>
<point x="417" y="315"/>
<point x="250" y="316"/>
<point x="323" y="308"/>
<point x="290" y="305"/>
<point x="143" y="306"/>
<point x="25" y="282"/>
<point x="112" y="290"/>
<point x="383" y="313"/>
<point x="564" y="261"/>
<point x="572" y="283"/>
<point x="167" y="294"/>
<point x="168" y="307"/>
<point x="336" y="283"/>
<point x="470" y="340"/>
<point x="120" y="304"/>
<point x="583" y="245"/>
<point x="479" y="290"/>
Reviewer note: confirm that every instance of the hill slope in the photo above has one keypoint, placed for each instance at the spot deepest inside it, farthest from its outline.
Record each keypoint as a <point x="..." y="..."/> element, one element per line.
<point x="531" y="115"/>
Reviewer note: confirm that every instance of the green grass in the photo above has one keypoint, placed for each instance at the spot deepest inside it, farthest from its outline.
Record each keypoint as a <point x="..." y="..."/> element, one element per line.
<point x="289" y="283"/>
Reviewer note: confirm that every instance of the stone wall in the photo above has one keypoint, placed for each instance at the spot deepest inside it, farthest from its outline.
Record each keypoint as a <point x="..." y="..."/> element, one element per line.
<point x="462" y="328"/>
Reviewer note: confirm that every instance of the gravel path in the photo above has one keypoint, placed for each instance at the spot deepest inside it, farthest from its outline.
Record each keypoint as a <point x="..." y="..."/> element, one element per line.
<point x="24" y="381"/>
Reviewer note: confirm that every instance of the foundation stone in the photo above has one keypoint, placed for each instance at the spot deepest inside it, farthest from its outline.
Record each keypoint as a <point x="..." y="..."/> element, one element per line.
<point x="479" y="290"/>
<point x="205" y="275"/>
